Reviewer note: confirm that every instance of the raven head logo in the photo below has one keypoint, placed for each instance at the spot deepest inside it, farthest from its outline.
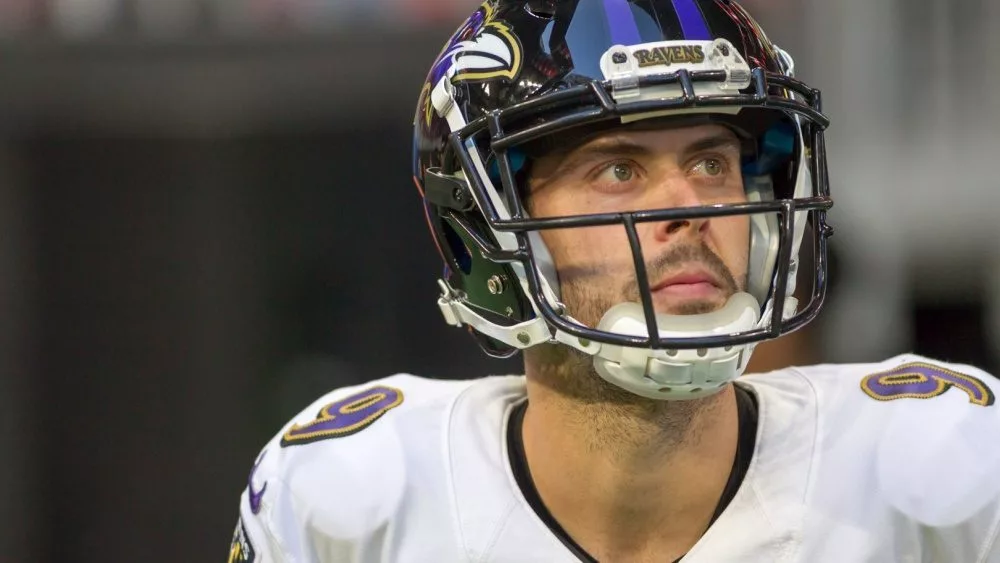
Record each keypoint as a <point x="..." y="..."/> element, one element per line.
<point x="482" y="49"/>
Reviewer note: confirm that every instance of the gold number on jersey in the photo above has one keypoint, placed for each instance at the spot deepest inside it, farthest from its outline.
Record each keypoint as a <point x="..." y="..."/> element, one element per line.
<point x="918" y="380"/>
<point x="346" y="416"/>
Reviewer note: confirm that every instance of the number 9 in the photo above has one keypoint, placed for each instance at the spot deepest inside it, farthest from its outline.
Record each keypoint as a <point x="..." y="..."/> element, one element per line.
<point x="924" y="381"/>
<point x="346" y="416"/>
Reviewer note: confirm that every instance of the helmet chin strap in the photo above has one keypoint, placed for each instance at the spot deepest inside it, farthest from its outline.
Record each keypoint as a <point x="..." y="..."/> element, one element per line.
<point x="674" y="374"/>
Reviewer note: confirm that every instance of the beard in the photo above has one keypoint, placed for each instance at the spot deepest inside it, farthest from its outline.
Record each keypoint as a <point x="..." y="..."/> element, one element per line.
<point x="572" y="375"/>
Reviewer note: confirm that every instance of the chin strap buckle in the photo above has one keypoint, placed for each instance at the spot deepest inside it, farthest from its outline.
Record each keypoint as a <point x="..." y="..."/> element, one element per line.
<point x="522" y="335"/>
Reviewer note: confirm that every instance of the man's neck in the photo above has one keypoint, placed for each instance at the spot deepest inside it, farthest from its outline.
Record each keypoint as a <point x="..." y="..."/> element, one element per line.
<point x="629" y="481"/>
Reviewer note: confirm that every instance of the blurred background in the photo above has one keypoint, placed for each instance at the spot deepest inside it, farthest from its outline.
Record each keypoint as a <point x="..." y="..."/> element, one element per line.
<point x="207" y="220"/>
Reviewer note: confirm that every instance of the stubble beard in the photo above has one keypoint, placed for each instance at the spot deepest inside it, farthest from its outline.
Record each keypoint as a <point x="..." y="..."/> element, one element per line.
<point x="617" y="419"/>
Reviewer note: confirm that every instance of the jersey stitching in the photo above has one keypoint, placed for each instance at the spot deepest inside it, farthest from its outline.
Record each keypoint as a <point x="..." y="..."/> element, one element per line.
<point x="813" y="457"/>
<point x="505" y="519"/>
<point x="750" y="478"/>
<point x="991" y="539"/>
<point x="817" y="432"/>
<point x="274" y="539"/>
<point x="450" y="477"/>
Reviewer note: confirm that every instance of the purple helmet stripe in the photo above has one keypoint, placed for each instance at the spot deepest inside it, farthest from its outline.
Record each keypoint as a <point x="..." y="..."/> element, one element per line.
<point x="692" y="22"/>
<point x="624" y="31"/>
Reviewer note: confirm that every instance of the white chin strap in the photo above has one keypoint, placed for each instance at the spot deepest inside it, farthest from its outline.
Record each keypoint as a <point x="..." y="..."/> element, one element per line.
<point x="677" y="374"/>
<point x="655" y="374"/>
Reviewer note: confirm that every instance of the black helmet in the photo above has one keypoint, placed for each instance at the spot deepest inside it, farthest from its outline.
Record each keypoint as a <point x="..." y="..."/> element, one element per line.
<point x="521" y="75"/>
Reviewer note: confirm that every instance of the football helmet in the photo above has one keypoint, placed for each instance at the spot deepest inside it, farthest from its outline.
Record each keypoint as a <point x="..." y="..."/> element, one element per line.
<point x="519" y="73"/>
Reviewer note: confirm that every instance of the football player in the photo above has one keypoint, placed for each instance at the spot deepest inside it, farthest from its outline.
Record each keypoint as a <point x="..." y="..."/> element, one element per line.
<point x="620" y="190"/>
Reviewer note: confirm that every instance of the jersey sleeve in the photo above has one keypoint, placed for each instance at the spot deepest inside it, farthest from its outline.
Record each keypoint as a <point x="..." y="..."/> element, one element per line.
<point x="284" y="534"/>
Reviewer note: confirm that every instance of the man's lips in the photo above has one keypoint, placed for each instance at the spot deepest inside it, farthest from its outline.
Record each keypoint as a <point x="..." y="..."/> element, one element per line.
<point x="688" y="284"/>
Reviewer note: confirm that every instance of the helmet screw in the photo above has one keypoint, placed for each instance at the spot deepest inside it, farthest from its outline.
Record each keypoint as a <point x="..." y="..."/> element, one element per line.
<point x="523" y="337"/>
<point x="496" y="285"/>
<point x="457" y="195"/>
<point x="509" y="311"/>
<point x="725" y="51"/>
<point x="619" y="58"/>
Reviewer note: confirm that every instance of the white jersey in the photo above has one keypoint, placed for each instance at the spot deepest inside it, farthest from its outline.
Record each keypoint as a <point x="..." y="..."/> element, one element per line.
<point x="895" y="462"/>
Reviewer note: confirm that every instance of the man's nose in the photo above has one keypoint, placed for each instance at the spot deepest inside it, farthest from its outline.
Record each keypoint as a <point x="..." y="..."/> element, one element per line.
<point x="679" y="194"/>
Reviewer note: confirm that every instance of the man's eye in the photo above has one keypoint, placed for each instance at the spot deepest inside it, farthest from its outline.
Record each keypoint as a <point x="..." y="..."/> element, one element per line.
<point x="710" y="167"/>
<point x="619" y="171"/>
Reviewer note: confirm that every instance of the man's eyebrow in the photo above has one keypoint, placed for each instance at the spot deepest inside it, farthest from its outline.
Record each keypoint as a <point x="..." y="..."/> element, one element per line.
<point x="603" y="149"/>
<point x="721" y="141"/>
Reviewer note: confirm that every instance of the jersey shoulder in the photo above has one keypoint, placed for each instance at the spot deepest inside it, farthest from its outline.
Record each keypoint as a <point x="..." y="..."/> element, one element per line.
<point x="904" y="377"/>
<point x="906" y="383"/>
<point x="338" y="469"/>
<point x="921" y="429"/>
<point x="347" y="411"/>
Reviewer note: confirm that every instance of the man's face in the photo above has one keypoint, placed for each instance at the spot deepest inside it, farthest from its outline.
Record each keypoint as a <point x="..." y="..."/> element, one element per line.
<point x="693" y="266"/>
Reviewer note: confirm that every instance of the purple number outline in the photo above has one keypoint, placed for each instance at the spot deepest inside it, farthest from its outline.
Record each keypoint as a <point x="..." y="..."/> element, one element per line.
<point x="918" y="380"/>
<point x="345" y="417"/>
